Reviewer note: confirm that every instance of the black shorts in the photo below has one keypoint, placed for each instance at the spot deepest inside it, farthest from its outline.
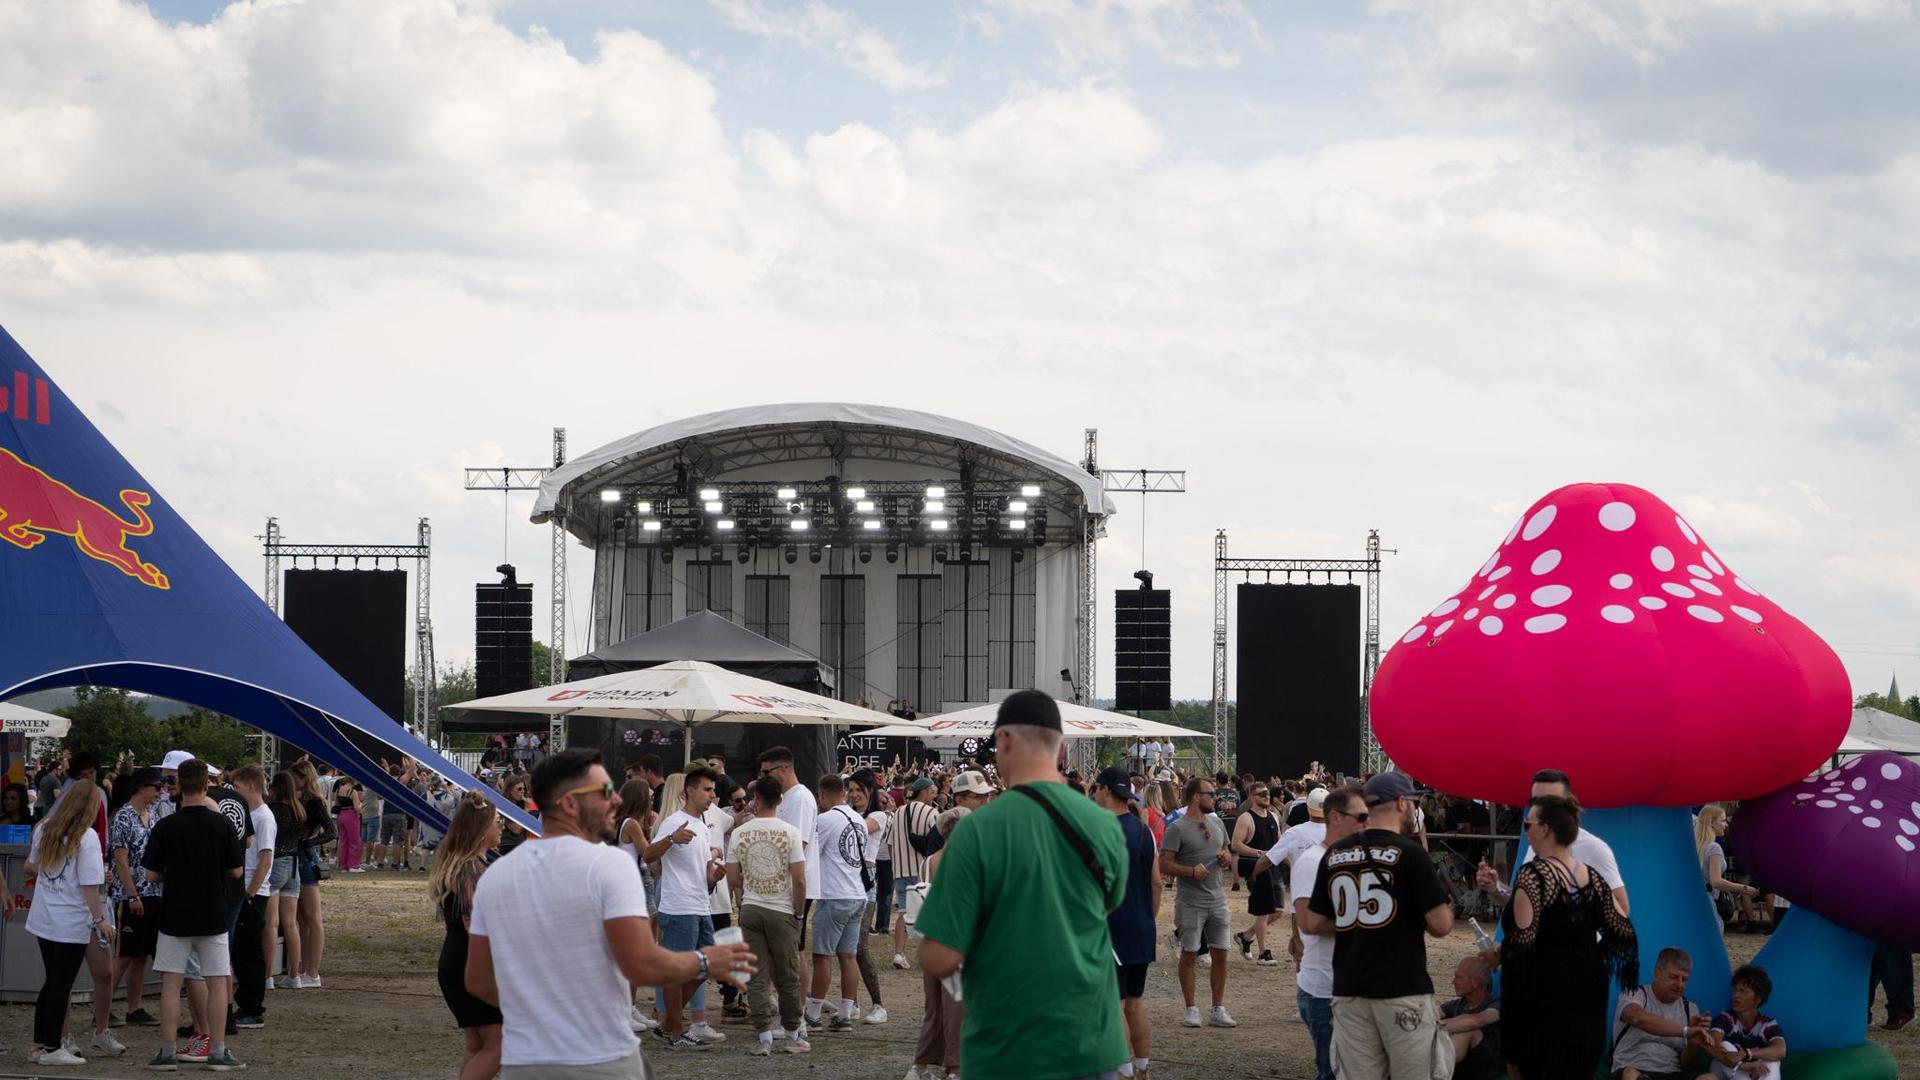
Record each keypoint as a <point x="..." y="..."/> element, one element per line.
<point x="138" y="933"/>
<point x="1133" y="979"/>
<point x="1260" y="891"/>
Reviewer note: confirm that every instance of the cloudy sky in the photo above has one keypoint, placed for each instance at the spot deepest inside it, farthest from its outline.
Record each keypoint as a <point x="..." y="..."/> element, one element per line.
<point x="1405" y="265"/>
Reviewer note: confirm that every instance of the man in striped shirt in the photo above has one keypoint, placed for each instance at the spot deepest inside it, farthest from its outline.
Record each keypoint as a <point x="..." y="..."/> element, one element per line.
<point x="907" y="843"/>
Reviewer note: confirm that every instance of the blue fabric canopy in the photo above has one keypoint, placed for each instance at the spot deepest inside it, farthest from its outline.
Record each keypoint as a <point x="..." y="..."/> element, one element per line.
<point x="102" y="584"/>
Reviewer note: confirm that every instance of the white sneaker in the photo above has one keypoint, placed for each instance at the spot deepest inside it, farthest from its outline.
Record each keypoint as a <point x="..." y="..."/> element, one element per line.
<point x="105" y="1045"/>
<point x="900" y="961"/>
<point x="798" y="1045"/>
<point x="1206" y="960"/>
<point x="855" y="1014"/>
<point x="71" y="1044"/>
<point x="640" y="1021"/>
<point x="1193" y="1017"/>
<point x="313" y="982"/>
<point x="876" y="1015"/>
<point x="60" y="1056"/>
<point x="704" y="1033"/>
<point x="1221" y="1018"/>
<point x="762" y="1049"/>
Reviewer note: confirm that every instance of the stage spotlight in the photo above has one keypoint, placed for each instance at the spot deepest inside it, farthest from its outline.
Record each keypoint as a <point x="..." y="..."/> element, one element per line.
<point x="813" y="555"/>
<point x="893" y="553"/>
<point x="866" y="553"/>
<point x="714" y="506"/>
<point x="724" y="524"/>
<point x="786" y="494"/>
<point x="870" y="525"/>
<point x="719" y="554"/>
<point x="1030" y="491"/>
<point x="798" y="524"/>
<point x="666" y="554"/>
<point x="644" y="506"/>
<point x="936" y="492"/>
<point x="709" y="494"/>
<point x="609" y="495"/>
<point x="651" y="526"/>
<point x="856" y="493"/>
<point x="796" y="508"/>
<point x="1017" y="506"/>
<point x="864" y="506"/>
<point x="1019" y="554"/>
<point x="619" y="523"/>
<point x="1018" y="524"/>
<point x="938" y="524"/>
<point x="966" y="554"/>
<point x="940" y="553"/>
<point x="936" y="506"/>
<point x="742" y="555"/>
<point x="792" y="553"/>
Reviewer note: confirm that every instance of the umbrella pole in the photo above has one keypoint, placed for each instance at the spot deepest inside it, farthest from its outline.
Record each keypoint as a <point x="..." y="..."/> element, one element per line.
<point x="687" y="762"/>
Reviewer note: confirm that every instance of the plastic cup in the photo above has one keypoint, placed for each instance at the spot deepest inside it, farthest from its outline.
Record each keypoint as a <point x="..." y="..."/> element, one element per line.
<point x="732" y="935"/>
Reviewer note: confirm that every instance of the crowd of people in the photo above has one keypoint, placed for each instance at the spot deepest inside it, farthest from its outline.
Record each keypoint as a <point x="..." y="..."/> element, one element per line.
<point x="699" y="898"/>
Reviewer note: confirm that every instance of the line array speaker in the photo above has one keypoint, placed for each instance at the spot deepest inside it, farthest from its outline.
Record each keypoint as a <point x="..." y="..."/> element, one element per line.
<point x="1142" y="649"/>
<point x="502" y="638"/>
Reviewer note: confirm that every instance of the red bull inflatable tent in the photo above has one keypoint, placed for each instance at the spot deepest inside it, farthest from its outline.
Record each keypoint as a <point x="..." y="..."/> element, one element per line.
<point x="102" y="584"/>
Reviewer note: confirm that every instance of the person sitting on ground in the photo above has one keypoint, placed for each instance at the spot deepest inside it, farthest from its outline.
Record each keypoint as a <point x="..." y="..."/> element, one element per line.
<point x="1472" y="1021"/>
<point x="1657" y="1033"/>
<point x="1744" y="1043"/>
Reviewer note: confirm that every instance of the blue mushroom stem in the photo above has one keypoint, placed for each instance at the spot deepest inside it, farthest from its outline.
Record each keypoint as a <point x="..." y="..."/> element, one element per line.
<point x="1668" y="894"/>
<point x="1819" y="974"/>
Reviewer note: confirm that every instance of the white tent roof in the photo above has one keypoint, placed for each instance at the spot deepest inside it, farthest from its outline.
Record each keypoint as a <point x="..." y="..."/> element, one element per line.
<point x="1882" y="731"/>
<point x="33" y="722"/>
<point x="812" y="415"/>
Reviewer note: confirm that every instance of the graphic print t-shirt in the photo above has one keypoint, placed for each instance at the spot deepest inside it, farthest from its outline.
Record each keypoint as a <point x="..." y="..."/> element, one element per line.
<point x="1377" y="887"/>
<point x="840" y="836"/>
<point x="765" y="850"/>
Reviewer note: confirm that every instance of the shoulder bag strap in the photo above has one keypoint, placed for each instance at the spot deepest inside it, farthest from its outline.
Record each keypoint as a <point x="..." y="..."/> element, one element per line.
<point x="1074" y="839"/>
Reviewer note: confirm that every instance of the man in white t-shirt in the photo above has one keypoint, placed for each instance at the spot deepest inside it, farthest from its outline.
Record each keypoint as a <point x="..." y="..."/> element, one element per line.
<point x="798" y="809"/>
<point x="1586" y="847"/>
<point x="246" y="946"/>
<point x="839" y="913"/>
<point x="767" y="866"/>
<point x="1315" y="980"/>
<point x="566" y="916"/>
<point x="690" y="868"/>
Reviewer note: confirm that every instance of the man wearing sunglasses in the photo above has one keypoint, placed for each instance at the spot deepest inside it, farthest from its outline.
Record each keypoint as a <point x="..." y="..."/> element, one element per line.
<point x="1378" y="892"/>
<point x="567" y="917"/>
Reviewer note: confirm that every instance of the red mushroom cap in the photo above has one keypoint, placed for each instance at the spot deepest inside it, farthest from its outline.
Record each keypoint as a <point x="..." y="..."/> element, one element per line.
<point x="1606" y="638"/>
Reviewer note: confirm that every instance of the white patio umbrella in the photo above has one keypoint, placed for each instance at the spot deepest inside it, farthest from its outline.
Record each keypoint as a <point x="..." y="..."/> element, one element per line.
<point x="686" y="693"/>
<point x="33" y="723"/>
<point x="1076" y="722"/>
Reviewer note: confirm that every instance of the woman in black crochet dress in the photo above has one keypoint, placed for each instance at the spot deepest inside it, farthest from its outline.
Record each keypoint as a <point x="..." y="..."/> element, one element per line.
<point x="1564" y="938"/>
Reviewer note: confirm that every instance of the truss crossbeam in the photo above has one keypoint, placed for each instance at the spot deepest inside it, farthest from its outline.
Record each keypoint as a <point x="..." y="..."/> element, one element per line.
<point x="1144" y="480"/>
<point x="347" y="551"/>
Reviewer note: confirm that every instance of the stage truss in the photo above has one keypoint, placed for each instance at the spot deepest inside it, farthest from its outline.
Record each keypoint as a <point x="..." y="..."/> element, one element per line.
<point x="1224" y="567"/>
<point x="275" y="548"/>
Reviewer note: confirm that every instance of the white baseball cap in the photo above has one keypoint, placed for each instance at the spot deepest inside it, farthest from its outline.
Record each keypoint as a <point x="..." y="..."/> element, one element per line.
<point x="972" y="783"/>
<point x="1316" y="802"/>
<point x="177" y="758"/>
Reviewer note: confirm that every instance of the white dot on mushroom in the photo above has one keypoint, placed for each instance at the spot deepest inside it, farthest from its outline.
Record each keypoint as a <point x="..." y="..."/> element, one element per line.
<point x="1551" y="595"/>
<point x="1471" y="614"/>
<point x="1443" y="628"/>
<point x="1616" y="517"/>
<point x="1506" y="601"/>
<point x="1712" y="563"/>
<point x="1905" y="844"/>
<point x="1870" y="822"/>
<point x="1859" y="783"/>
<point x="1674" y="588"/>
<point x="1746" y="613"/>
<point x="1746" y="587"/>
<point x="1909" y="827"/>
<point x="1621" y="581"/>
<point x="1686" y="529"/>
<point x="1546" y="561"/>
<point x="1652" y="603"/>
<point x="1539" y="522"/>
<point x="1493" y="560"/>
<point x="1662" y="559"/>
<point x="1825" y="804"/>
<point x="1413" y="635"/>
<point x="1890" y="771"/>
<point x="1488" y="591"/>
<point x="1500" y="573"/>
<point x="1545" y="624"/>
<point x="1705" y="586"/>
<point x="1617" y="613"/>
<point x="1705" y="614"/>
<point x="1491" y="625"/>
<point x="1446" y="608"/>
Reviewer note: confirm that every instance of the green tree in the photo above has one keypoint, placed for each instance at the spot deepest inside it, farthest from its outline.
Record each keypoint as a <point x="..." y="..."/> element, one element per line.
<point x="1910" y="708"/>
<point x="211" y="736"/>
<point x="543" y="664"/>
<point x="108" y="722"/>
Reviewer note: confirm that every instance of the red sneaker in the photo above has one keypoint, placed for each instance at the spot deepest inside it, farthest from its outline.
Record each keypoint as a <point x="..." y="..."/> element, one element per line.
<point x="198" y="1048"/>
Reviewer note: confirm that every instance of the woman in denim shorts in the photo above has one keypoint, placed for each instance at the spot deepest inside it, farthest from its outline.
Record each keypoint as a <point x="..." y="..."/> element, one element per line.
<point x="283" y="908"/>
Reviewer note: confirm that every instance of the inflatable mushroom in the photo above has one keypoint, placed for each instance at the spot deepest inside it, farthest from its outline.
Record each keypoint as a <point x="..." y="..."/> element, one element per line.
<point x="1606" y="638"/>
<point x="1841" y="846"/>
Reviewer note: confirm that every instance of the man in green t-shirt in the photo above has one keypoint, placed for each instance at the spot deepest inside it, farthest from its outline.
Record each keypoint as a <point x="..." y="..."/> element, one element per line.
<point x="1027" y="916"/>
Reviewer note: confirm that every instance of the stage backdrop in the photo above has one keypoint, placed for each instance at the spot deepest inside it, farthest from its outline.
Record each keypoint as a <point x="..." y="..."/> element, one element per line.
<point x="357" y="621"/>
<point x="1297" y="666"/>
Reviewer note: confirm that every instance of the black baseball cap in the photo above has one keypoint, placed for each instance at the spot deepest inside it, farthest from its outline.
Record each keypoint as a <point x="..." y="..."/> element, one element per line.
<point x="1387" y="787"/>
<point x="1030" y="707"/>
<point x="1117" y="779"/>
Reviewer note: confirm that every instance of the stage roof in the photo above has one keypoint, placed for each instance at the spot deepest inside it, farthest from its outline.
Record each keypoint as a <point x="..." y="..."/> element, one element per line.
<point x="715" y="443"/>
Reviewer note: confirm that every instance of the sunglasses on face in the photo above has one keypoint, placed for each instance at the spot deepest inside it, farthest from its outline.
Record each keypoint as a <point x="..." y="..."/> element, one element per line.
<point x="605" y="790"/>
<point x="1361" y="816"/>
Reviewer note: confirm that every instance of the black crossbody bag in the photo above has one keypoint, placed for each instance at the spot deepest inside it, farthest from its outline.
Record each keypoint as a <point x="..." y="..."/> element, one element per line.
<point x="1074" y="839"/>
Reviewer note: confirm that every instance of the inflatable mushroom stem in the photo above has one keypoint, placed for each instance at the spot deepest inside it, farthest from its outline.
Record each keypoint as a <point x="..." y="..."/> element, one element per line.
<point x="1839" y="845"/>
<point x="1606" y="637"/>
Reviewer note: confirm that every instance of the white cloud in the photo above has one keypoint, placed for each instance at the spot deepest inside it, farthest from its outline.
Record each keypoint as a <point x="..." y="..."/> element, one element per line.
<point x="1104" y="33"/>
<point x="830" y="31"/>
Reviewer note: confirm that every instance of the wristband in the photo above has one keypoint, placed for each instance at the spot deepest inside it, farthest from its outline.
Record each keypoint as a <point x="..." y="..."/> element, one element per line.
<point x="702" y="957"/>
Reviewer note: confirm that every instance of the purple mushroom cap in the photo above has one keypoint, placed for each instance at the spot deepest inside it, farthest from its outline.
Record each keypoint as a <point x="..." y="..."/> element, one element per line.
<point x="1842" y="843"/>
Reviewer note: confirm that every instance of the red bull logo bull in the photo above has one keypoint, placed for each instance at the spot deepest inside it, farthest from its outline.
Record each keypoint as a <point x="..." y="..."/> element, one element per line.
<point x="34" y="506"/>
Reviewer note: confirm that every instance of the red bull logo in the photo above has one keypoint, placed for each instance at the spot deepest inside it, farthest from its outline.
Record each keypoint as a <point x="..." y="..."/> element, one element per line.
<point x="34" y="506"/>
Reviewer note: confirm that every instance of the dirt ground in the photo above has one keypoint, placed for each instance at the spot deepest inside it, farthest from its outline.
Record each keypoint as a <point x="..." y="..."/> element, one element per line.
<point x="380" y="1013"/>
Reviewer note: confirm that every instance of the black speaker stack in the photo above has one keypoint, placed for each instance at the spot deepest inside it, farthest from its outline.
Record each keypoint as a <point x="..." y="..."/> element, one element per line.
<point x="502" y="638"/>
<point x="1142" y="650"/>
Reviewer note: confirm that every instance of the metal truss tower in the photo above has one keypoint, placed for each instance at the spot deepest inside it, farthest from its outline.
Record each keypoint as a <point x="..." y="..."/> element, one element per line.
<point x="1369" y="568"/>
<point x="425" y="721"/>
<point x="506" y="479"/>
<point x="271" y="537"/>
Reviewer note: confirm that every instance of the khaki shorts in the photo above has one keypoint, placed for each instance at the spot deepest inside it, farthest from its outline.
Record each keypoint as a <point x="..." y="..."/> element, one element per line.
<point x="626" y="1068"/>
<point x="1200" y="927"/>
<point x="171" y="953"/>
<point x="1401" y="1037"/>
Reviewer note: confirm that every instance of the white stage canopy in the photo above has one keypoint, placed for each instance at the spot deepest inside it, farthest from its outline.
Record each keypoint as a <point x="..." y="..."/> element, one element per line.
<point x="33" y="723"/>
<point x="1076" y="722"/>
